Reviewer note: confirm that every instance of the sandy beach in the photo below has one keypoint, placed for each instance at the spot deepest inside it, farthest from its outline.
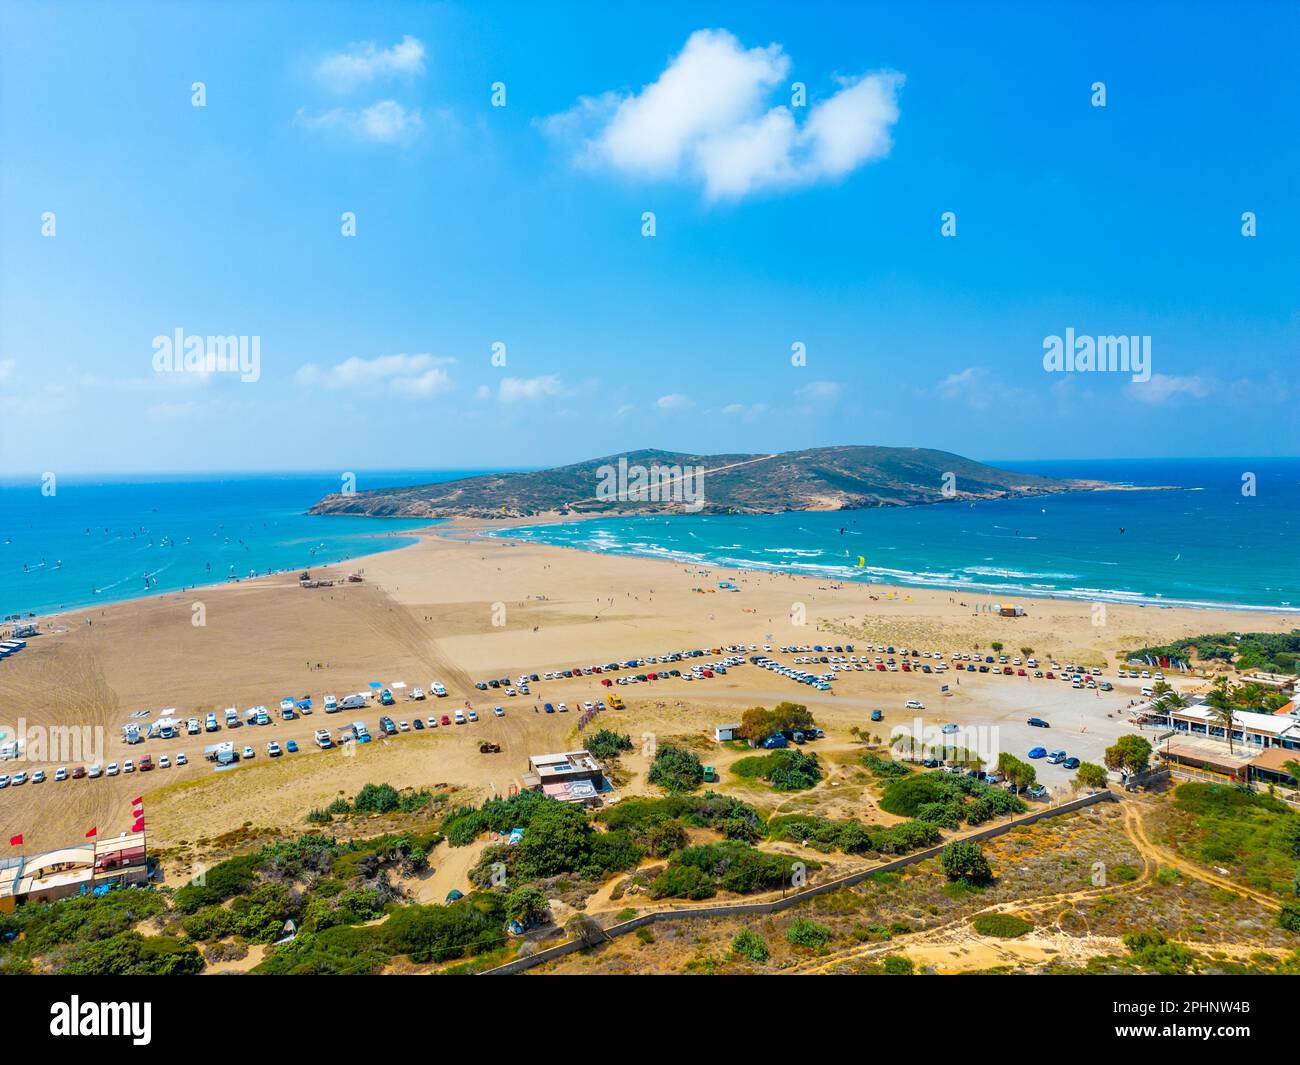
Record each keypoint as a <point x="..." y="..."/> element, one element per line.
<point x="458" y="608"/>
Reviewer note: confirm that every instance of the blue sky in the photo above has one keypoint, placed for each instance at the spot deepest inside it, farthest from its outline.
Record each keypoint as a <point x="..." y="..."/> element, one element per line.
<point x="522" y="224"/>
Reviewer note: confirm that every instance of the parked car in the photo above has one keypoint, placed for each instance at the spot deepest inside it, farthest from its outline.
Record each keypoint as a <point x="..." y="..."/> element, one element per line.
<point x="914" y="704"/>
<point x="109" y="771"/>
<point x="1056" y="757"/>
<point x="1037" y="792"/>
<point x="181" y="759"/>
<point x="80" y="771"/>
<point x="1038" y="722"/>
<point x="62" y="772"/>
<point x="499" y="711"/>
<point x="1071" y="763"/>
<point x="163" y="763"/>
<point x="38" y="777"/>
<point x="291" y="746"/>
<point x="248" y="752"/>
<point x="1038" y="752"/>
<point x="876" y="715"/>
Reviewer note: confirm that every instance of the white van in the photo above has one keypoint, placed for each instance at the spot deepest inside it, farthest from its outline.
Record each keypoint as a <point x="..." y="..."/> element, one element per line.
<point x="353" y="702"/>
<point x="1148" y="692"/>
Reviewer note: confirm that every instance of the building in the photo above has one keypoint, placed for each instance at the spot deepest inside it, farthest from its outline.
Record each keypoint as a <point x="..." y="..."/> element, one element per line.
<point x="721" y="733"/>
<point x="59" y="874"/>
<point x="1248" y="728"/>
<point x="571" y="776"/>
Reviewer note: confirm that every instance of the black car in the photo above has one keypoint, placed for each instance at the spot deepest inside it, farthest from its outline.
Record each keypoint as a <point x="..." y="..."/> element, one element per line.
<point x="387" y="726"/>
<point x="494" y="684"/>
<point x="480" y="686"/>
<point x="418" y="725"/>
<point x="1038" y="722"/>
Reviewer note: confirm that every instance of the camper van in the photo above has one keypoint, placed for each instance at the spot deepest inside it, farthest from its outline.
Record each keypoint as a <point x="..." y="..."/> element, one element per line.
<point x="353" y="702"/>
<point x="331" y="705"/>
<point x="438" y="690"/>
<point x="360" y="731"/>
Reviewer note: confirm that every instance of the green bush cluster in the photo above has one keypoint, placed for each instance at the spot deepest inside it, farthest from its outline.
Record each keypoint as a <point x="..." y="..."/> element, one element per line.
<point x="948" y="799"/>
<point x="785" y="770"/>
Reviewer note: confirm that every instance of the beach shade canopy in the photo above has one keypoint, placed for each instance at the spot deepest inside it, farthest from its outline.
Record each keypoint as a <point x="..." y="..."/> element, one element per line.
<point x="375" y="684"/>
<point x="398" y="684"/>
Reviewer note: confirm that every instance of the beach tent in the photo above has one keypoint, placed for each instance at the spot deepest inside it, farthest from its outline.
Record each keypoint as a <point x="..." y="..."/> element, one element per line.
<point x="398" y="684"/>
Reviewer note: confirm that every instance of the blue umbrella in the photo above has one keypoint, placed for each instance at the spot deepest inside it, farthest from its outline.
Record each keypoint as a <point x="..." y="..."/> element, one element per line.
<point x="375" y="684"/>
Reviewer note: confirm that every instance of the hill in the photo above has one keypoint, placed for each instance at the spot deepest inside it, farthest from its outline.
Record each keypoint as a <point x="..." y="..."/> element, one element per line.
<point x="651" y="481"/>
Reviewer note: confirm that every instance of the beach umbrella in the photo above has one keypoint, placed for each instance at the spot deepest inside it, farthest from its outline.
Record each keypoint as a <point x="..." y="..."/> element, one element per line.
<point x="375" y="684"/>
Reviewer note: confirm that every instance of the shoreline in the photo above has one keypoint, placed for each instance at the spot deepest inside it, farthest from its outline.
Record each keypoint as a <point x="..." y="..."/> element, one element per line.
<point x="1108" y="596"/>
<point x="481" y="530"/>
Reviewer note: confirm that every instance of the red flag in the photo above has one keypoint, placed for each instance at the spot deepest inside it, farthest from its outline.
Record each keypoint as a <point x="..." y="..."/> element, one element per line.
<point x="92" y="832"/>
<point x="138" y="826"/>
<point x="16" y="841"/>
<point x="137" y="800"/>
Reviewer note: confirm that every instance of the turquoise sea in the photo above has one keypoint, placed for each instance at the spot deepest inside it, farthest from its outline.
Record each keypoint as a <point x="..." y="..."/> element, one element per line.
<point x="100" y="540"/>
<point x="1206" y="544"/>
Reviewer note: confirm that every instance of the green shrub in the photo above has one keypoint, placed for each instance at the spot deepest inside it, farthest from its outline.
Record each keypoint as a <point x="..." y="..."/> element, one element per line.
<point x="750" y="945"/>
<point x="1002" y="925"/>
<point x="805" y="933"/>
<point x="675" y="769"/>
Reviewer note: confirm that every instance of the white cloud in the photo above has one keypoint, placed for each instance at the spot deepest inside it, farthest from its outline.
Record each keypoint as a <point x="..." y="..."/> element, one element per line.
<point x="708" y="118"/>
<point x="384" y="122"/>
<point x="172" y="412"/>
<point x="748" y="411"/>
<point x="525" y="389"/>
<point x="675" y="401"/>
<point x="955" y="385"/>
<point x="829" y="390"/>
<point x="1162" y="387"/>
<point x="365" y="61"/>
<point x="410" y="375"/>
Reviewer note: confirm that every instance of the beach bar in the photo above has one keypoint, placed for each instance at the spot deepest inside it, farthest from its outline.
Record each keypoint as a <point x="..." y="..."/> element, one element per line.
<point x="78" y="870"/>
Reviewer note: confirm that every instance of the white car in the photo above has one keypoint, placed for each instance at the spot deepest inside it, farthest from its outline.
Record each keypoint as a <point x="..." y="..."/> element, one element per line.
<point x="128" y="766"/>
<point x="164" y="762"/>
<point x="499" y="711"/>
<point x="38" y="777"/>
<point x="249" y="752"/>
<point x="418" y="694"/>
<point x="914" y="704"/>
<point x="404" y="726"/>
<point x="182" y="760"/>
<point x="109" y="771"/>
<point x="62" y="772"/>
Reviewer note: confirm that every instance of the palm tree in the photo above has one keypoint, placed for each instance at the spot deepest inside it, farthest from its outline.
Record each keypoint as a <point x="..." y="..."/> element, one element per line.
<point x="1223" y="710"/>
<point x="1251" y="696"/>
<point x="1172" y="700"/>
